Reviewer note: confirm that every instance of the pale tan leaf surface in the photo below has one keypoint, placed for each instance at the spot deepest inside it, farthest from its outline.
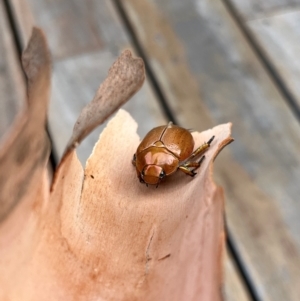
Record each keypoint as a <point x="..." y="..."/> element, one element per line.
<point x="24" y="155"/>
<point x="125" y="77"/>
<point x="105" y="236"/>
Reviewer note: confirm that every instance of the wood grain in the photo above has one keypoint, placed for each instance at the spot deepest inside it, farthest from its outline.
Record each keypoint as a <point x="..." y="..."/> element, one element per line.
<point x="253" y="9"/>
<point x="277" y="36"/>
<point x="207" y="71"/>
<point x="234" y="290"/>
<point x="70" y="17"/>
<point x="12" y="89"/>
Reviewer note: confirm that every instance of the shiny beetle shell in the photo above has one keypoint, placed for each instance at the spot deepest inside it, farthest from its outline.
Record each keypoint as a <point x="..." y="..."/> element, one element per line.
<point x="163" y="151"/>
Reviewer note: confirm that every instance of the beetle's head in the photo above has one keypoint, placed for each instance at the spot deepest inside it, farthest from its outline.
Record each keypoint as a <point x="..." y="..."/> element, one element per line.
<point x="152" y="174"/>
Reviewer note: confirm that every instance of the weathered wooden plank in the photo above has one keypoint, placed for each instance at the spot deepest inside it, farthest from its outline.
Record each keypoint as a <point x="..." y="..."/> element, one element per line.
<point x="76" y="78"/>
<point x="234" y="290"/>
<point x="68" y="17"/>
<point x="12" y="93"/>
<point x="278" y="37"/>
<point x="252" y="9"/>
<point x="207" y="71"/>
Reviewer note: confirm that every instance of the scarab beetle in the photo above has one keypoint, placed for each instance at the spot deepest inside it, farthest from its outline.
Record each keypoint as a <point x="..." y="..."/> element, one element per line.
<point x="164" y="150"/>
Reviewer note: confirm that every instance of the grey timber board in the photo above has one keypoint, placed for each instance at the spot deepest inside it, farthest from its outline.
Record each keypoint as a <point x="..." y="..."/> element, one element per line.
<point x="253" y="9"/>
<point x="234" y="290"/>
<point x="12" y="92"/>
<point x="277" y="36"/>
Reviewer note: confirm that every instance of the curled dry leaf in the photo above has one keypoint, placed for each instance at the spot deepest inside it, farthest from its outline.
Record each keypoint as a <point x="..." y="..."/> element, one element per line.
<point x="24" y="156"/>
<point x="125" y="77"/>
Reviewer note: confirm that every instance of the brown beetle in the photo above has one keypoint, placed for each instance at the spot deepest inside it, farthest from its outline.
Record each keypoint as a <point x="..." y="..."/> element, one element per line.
<point x="164" y="150"/>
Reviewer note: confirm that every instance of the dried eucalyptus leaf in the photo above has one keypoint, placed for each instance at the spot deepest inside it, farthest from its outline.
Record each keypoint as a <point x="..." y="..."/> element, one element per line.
<point x="23" y="160"/>
<point x="125" y="78"/>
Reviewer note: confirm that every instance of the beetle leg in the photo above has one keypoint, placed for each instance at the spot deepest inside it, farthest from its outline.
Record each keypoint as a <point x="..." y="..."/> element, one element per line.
<point x="186" y="167"/>
<point x="201" y="149"/>
<point x="187" y="171"/>
<point x="195" y="164"/>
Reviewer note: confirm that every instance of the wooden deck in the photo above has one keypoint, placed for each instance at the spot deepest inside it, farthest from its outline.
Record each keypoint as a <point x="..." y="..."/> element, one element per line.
<point x="209" y="62"/>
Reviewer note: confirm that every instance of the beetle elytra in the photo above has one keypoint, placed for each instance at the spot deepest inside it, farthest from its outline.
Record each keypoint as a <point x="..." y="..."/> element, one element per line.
<point x="166" y="149"/>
